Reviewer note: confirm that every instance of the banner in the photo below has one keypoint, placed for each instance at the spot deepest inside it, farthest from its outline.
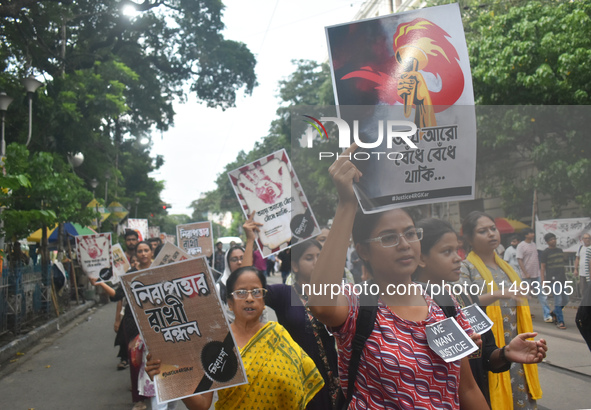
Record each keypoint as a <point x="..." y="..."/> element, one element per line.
<point x="180" y="317"/>
<point x="120" y="263"/>
<point x="270" y="188"/>
<point x="140" y="226"/>
<point x="568" y="232"/>
<point x="196" y="238"/>
<point x="404" y="94"/>
<point x="94" y="255"/>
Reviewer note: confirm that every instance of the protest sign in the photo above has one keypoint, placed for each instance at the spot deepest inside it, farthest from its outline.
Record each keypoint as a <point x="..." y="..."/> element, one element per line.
<point x="153" y="231"/>
<point x="196" y="238"/>
<point x="403" y="87"/>
<point x="140" y="226"/>
<point x="479" y="321"/>
<point x="568" y="232"/>
<point x="168" y="254"/>
<point x="120" y="263"/>
<point x="94" y="255"/>
<point x="180" y="318"/>
<point x="270" y="188"/>
<point x="449" y="341"/>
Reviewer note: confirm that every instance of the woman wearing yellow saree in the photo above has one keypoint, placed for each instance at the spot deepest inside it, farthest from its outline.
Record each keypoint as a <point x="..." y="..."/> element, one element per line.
<point x="280" y="374"/>
<point x="519" y="388"/>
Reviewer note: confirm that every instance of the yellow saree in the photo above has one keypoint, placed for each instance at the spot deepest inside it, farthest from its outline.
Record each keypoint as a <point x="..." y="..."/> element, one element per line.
<point x="280" y="374"/>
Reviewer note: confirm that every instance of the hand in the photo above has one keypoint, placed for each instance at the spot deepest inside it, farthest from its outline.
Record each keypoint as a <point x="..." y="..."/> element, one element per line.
<point x="521" y="350"/>
<point x="250" y="227"/>
<point x="476" y="339"/>
<point x="92" y="281"/>
<point x="343" y="174"/>
<point x="116" y="326"/>
<point x="152" y="367"/>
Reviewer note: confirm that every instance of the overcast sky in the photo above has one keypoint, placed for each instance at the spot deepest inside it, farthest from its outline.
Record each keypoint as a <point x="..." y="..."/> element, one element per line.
<point x="204" y="140"/>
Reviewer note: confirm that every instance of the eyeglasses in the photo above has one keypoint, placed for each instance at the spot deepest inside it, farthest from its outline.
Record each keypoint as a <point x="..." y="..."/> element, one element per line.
<point x="393" y="239"/>
<point x="236" y="259"/>
<point x="243" y="293"/>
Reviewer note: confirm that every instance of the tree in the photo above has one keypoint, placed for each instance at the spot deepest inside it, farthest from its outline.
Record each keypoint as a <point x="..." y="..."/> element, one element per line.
<point x="534" y="54"/>
<point x="111" y="78"/>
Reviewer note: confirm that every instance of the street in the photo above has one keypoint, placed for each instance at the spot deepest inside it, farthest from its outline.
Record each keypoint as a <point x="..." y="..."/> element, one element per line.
<point x="75" y="368"/>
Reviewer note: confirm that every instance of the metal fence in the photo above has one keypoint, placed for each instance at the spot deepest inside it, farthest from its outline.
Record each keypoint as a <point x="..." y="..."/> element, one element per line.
<point x="24" y="297"/>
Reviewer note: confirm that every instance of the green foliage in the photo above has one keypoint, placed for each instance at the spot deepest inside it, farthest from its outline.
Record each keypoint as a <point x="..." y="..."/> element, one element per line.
<point x="536" y="53"/>
<point x="40" y="189"/>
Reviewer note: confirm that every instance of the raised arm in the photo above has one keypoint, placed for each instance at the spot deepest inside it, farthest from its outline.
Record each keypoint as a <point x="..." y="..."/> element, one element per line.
<point x="329" y="268"/>
<point x="250" y="227"/>
<point x="109" y="290"/>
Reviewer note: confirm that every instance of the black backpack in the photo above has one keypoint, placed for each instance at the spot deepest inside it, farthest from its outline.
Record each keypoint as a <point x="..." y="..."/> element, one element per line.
<point x="368" y="309"/>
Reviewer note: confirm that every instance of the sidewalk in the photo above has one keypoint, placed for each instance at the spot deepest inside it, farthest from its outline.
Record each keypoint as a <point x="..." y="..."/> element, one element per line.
<point x="25" y="341"/>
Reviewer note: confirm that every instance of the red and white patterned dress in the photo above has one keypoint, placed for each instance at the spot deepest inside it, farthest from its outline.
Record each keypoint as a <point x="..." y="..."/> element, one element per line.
<point x="397" y="369"/>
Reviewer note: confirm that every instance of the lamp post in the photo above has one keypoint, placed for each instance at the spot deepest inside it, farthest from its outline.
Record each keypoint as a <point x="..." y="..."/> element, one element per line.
<point x="107" y="177"/>
<point x="93" y="184"/>
<point x="31" y="85"/>
<point x="5" y="101"/>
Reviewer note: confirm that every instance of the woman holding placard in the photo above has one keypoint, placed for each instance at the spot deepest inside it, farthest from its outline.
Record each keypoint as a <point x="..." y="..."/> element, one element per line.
<point x="440" y="263"/>
<point x="280" y="374"/>
<point x="397" y="369"/>
<point x="520" y="387"/>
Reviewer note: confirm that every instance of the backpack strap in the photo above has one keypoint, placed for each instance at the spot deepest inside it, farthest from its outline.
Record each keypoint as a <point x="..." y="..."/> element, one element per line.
<point x="443" y="300"/>
<point x="366" y="317"/>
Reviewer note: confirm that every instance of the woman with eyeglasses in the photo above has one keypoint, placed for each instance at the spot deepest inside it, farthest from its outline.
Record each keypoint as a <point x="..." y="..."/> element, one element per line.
<point x="280" y="374"/>
<point x="397" y="369"/>
<point x="520" y="386"/>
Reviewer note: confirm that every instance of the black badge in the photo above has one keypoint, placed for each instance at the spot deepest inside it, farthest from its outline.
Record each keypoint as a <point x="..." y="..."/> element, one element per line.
<point x="219" y="361"/>
<point x="106" y="274"/>
<point x="302" y="225"/>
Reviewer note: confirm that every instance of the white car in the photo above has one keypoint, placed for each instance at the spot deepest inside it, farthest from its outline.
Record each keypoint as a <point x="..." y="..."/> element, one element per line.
<point x="226" y="240"/>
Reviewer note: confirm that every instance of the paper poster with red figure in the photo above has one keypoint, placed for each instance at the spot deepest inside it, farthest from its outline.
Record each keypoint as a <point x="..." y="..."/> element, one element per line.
<point x="94" y="255"/>
<point x="413" y="67"/>
<point x="270" y="188"/>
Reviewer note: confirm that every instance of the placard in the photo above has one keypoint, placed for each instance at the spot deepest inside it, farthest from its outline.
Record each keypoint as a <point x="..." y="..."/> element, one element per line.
<point x="479" y="321"/>
<point x="449" y="341"/>
<point x="168" y="254"/>
<point x="180" y="317"/>
<point x="140" y="226"/>
<point x="270" y="188"/>
<point x="196" y="238"/>
<point x="94" y="255"/>
<point x="120" y="263"/>
<point x="403" y="88"/>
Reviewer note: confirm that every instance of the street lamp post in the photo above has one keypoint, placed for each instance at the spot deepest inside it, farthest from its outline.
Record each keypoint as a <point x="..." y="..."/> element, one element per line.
<point x="31" y="85"/>
<point x="5" y="101"/>
<point x="93" y="184"/>
<point x="107" y="177"/>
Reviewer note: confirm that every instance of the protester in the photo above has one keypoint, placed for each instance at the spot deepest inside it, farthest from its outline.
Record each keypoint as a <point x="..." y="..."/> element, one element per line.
<point x="271" y="265"/>
<point x="440" y="263"/>
<point x="276" y="367"/>
<point x="154" y="243"/>
<point x="397" y="367"/>
<point x="510" y="255"/>
<point x="527" y="256"/>
<point x="582" y="263"/>
<point x="130" y="330"/>
<point x="289" y="303"/>
<point x="285" y="257"/>
<point x="520" y="386"/>
<point x="131" y="240"/>
<point x="553" y="260"/>
<point x="218" y="258"/>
